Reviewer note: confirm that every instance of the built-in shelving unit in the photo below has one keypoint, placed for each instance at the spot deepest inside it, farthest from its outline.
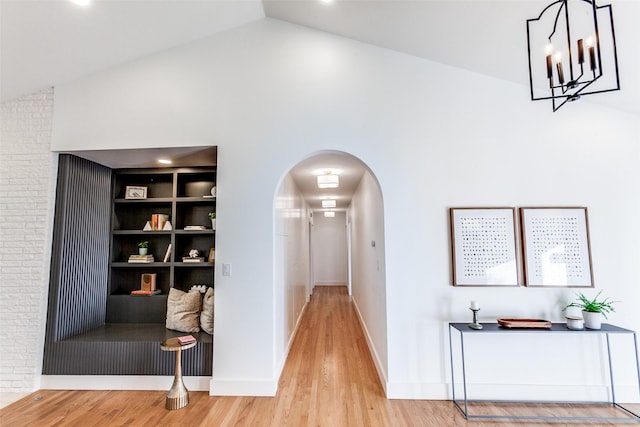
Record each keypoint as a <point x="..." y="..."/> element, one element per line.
<point x="185" y="196"/>
<point x="94" y="325"/>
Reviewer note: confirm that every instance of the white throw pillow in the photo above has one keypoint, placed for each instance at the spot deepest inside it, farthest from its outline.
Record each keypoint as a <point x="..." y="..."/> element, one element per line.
<point x="183" y="310"/>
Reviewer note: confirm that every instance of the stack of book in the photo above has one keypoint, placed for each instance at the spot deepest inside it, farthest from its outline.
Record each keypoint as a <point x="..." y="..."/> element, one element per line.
<point x="190" y="259"/>
<point x="141" y="258"/>
<point x="195" y="227"/>
<point x="141" y="293"/>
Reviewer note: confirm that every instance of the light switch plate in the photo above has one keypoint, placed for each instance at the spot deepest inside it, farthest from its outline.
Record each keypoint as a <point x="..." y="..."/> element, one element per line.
<point x="226" y="269"/>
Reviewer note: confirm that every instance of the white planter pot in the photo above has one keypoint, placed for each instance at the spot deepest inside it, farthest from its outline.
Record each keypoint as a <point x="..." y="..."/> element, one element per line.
<point x="592" y="320"/>
<point x="143" y="251"/>
<point x="213" y="223"/>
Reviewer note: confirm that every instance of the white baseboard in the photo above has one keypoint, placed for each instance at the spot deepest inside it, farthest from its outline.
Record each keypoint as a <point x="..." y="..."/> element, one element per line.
<point x="374" y="354"/>
<point x="243" y="388"/>
<point x="418" y="391"/>
<point x="119" y="382"/>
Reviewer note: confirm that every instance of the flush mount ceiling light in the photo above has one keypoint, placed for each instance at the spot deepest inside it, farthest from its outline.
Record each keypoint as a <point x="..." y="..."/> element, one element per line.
<point x="329" y="214"/>
<point x="328" y="203"/>
<point x="165" y="161"/>
<point x="328" y="180"/>
<point x="81" y="2"/>
<point x="572" y="52"/>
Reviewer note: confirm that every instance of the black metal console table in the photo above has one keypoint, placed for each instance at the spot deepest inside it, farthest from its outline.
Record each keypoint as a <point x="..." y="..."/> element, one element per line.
<point x="556" y="328"/>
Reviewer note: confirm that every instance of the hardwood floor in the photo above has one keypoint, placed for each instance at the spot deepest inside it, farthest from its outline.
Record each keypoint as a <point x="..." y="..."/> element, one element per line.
<point x="329" y="380"/>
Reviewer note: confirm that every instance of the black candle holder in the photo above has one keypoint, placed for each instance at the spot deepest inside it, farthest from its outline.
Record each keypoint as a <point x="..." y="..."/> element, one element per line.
<point x="475" y="324"/>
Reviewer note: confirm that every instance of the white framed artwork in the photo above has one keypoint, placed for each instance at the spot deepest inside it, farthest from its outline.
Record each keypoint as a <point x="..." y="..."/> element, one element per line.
<point x="483" y="246"/>
<point x="555" y="246"/>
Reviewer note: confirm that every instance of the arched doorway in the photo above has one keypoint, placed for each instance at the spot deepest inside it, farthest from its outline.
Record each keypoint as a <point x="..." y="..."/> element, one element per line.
<point x="298" y="205"/>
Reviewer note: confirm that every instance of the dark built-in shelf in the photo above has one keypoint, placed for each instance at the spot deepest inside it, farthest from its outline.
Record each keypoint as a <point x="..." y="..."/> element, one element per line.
<point x="184" y="194"/>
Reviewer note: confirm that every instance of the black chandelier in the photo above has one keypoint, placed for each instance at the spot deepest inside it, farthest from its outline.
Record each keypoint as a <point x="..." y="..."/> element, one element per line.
<point x="572" y="52"/>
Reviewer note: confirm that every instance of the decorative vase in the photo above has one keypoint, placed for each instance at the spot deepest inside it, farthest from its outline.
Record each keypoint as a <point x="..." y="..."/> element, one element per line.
<point x="592" y="320"/>
<point x="142" y="251"/>
<point x="213" y="223"/>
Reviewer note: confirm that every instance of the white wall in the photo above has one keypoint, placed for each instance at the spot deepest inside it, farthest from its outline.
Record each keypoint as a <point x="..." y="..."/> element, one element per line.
<point x="291" y="265"/>
<point x="269" y="93"/>
<point x="366" y="216"/>
<point x="27" y="191"/>
<point x="329" y="249"/>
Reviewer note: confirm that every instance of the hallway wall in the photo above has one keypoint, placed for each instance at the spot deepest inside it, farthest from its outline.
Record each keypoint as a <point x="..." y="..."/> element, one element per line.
<point x="369" y="287"/>
<point x="291" y="255"/>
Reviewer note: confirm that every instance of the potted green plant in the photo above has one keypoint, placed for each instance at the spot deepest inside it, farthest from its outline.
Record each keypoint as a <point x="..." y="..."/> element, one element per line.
<point x="593" y="310"/>
<point x="212" y="216"/>
<point x="143" y="247"/>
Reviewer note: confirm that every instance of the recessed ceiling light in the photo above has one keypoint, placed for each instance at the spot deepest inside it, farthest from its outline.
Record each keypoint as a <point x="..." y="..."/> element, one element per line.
<point x="165" y="161"/>
<point x="81" y="2"/>
<point x="329" y="214"/>
<point x="328" y="203"/>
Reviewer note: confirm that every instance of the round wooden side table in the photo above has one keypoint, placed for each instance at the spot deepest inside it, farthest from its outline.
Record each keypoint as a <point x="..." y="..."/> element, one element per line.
<point x="178" y="395"/>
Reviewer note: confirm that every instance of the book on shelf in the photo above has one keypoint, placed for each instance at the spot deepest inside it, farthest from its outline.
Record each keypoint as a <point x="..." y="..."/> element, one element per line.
<point x="190" y="259"/>
<point x="167" y="254"/>
<point x="158" y="221"/>
<point x="195" y="227"/>
<point x="187" y="339"/>
<point x="141" y="258"/>
<point x="142" y="293"/>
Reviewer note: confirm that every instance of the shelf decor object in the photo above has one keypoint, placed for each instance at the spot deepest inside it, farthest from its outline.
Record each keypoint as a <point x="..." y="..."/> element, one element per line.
<point x="135" y="193"/>
<point x="555" y="246"/>
<point x="474" y="322"/>
<point x="572" y="52"/>
<point x="524" y="323"/>
<point x="483" y="246"/>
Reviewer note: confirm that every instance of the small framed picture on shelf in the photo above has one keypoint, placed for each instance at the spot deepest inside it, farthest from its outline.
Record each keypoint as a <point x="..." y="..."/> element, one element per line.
<point x="212" y="255"/>
<point x="135" y="193"/>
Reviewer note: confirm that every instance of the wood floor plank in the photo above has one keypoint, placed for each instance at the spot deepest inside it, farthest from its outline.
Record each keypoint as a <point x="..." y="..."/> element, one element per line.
<point x="329" y="380"/>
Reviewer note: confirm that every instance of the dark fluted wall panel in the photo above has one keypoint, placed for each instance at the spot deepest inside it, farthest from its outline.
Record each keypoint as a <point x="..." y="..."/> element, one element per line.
<point x="80" y="250"/>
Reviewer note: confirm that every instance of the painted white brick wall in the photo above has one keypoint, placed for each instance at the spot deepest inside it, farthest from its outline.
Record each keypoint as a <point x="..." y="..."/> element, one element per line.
<point x="26" y="197"/>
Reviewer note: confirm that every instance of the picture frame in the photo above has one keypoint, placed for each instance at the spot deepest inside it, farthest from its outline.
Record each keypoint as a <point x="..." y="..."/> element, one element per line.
<point x="135" y="192"/>
<point x="556" y="248"/>
<point x="483" y="246"/>
<point x="212" y="255"/>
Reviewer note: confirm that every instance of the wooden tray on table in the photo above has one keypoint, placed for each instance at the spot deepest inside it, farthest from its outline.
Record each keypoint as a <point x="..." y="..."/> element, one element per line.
<point x="524" y="323"/>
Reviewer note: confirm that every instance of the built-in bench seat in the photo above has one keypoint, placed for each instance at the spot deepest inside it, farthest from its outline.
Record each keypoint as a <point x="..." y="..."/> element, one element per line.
<point x="128" y="349"/>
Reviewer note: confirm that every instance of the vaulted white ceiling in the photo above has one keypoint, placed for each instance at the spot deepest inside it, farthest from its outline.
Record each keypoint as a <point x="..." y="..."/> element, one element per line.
<point x="48" y="42"/>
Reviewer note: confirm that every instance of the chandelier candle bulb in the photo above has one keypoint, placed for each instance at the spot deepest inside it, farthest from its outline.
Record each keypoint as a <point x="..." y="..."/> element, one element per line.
<point x="560" y="72"/>
<point x="581" y="51"/>
<point x="474" y="305"/>
<point x="592" y="57"/>
<point x="549" y="67"/>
